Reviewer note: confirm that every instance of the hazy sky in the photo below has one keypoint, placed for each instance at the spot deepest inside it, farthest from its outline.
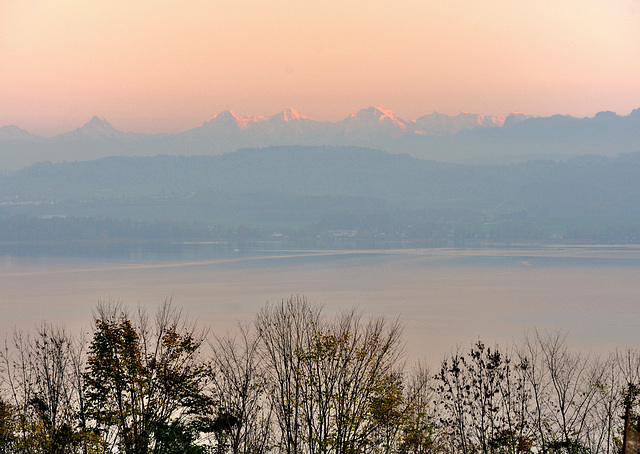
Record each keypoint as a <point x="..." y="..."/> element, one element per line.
<point x="160" y="65"/>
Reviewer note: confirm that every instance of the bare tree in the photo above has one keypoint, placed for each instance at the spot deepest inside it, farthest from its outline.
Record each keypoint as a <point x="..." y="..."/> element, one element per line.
<point x="628" y="364"/>
<point x="352" y="384"/>
<point x="603" y="421"/>
<point x="244" y="413"/>
<point x="566" y="390"/>
<point x="335" y="384"/>
<point x="371" y="367"/>
<point x="452" y="391"/>
<point x="39" y="374"/>
<point x="282" y="330"/>
<point x="418" y="435"/>
<point x="483" y="401"/>
<point x="516" y="433"/>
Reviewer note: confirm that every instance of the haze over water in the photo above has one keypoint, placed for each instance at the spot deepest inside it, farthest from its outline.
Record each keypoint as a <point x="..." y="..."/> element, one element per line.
<point x="446" y="297"/>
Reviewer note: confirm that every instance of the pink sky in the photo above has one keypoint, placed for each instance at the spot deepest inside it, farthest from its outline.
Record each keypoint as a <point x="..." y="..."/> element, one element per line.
<point x="162" y="65"/>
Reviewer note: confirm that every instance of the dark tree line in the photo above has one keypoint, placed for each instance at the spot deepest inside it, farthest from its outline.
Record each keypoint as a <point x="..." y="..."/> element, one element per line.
<point x="299" y="381"/>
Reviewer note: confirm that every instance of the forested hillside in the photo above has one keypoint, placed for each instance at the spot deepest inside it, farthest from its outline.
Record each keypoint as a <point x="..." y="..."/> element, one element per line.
<point x="325" y="188"/>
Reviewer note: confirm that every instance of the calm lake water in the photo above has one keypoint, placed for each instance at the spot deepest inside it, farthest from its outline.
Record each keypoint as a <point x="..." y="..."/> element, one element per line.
<point x="446" y="297"/>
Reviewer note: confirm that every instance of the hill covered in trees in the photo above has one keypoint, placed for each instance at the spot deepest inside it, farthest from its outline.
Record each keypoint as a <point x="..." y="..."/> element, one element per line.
<point x="297" y="380"/>
<point x="309" y="191"/>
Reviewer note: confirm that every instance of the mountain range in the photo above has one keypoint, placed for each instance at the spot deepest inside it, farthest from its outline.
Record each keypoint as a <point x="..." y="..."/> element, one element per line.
<point x="463" y="138"/>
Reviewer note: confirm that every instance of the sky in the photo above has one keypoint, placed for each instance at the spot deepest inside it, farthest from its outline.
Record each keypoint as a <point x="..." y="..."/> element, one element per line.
<point x="167" y="66"/>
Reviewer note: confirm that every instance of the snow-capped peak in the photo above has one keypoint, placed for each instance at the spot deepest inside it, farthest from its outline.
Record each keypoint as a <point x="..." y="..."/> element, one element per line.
<point x="385" y="112"/>
<point x="290" y="114"/>
<point x="230" y="118"/>
<point x="228" y="114"/>
<point x="378" y="113"/>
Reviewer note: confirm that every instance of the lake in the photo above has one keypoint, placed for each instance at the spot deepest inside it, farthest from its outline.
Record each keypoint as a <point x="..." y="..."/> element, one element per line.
<point x="445" y="296"/>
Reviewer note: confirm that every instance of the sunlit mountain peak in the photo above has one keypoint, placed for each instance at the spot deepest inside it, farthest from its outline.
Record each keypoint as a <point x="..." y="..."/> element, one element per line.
<point x="385" y="112"/>
<point x="378" y="113"/>
<point x="290" y="114"/>
<point x="231" y="118"/>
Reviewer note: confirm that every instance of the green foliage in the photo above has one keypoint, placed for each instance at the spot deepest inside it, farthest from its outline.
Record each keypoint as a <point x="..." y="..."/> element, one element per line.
<point x="177" y="438"/>
<point x="141" y="379"/>
<point x="631" y="395"/>
<point x="570" y="446"/>
<point x="8" y="427"/>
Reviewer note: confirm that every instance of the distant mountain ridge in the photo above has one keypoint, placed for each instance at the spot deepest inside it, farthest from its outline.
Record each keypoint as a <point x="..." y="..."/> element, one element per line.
<point x="463" y="138"/>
